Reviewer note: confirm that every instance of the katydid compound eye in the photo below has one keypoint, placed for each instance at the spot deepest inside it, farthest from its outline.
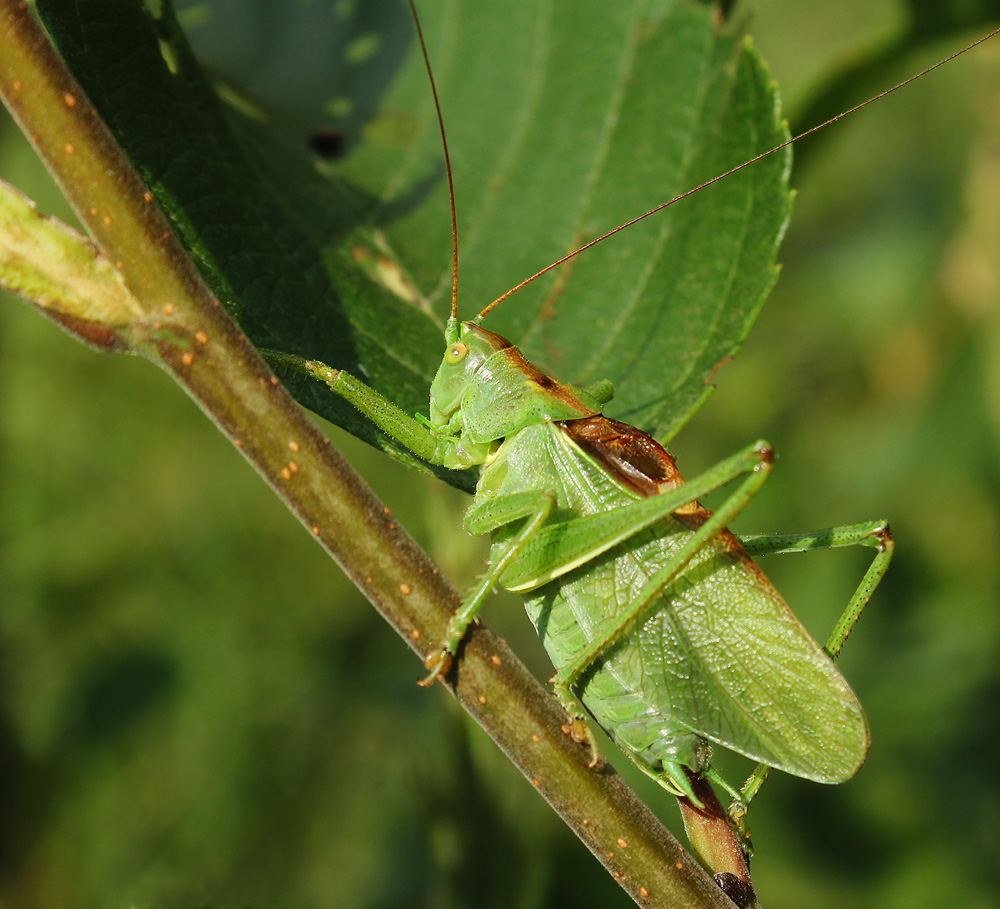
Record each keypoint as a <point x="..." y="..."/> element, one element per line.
<point x="456" y="353"/>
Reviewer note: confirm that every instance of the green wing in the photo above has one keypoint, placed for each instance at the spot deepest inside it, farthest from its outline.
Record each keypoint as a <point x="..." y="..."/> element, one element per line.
<point x="734" y="664"/>
<point x="721" y="655"/>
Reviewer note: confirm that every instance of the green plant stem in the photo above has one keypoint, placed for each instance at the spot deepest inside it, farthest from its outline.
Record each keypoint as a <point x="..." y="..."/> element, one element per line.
<point x="183" y="329"/>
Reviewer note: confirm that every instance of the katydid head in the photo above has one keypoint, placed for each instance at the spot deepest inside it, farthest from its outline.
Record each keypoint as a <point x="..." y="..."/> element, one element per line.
<point x="469" y="347"/>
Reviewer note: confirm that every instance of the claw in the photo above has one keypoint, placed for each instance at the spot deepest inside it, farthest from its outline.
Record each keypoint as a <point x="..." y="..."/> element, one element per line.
<point x="438" y="662"/>
<point x="579" y="730"/>
<point x="738" y="820"/>
<point x="595" y="754"/>
<point x="576" y="727"/>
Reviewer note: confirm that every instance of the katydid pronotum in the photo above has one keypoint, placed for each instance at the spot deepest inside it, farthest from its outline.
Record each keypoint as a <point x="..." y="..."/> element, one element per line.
<point x="655" y="616"/>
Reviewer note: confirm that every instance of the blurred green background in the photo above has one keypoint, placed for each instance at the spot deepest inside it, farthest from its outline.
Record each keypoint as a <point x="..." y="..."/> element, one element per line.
<point x="196" y="708"/>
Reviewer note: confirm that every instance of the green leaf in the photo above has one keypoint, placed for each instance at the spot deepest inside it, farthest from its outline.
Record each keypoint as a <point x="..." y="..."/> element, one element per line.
<point x="589" y="115"/>
<point x="564" y="119"/>
<point x="271" y="235"/>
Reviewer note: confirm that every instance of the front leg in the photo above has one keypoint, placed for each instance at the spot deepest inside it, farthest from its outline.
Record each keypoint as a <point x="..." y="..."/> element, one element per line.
<point x="482" y="518"/>
<point x="441" y="445"/>
<point x="381" y="411"/>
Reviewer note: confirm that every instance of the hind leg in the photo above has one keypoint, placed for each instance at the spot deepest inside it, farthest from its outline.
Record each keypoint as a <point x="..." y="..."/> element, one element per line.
<point x="874" y="534"/>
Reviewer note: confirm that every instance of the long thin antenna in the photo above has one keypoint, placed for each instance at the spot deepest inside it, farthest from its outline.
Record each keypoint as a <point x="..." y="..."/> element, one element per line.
<point x="447" y="166"/>
<point x="732" y="171"/>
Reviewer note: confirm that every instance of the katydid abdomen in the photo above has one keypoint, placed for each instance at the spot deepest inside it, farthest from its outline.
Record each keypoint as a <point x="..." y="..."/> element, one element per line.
<point x="717" y="656"/>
